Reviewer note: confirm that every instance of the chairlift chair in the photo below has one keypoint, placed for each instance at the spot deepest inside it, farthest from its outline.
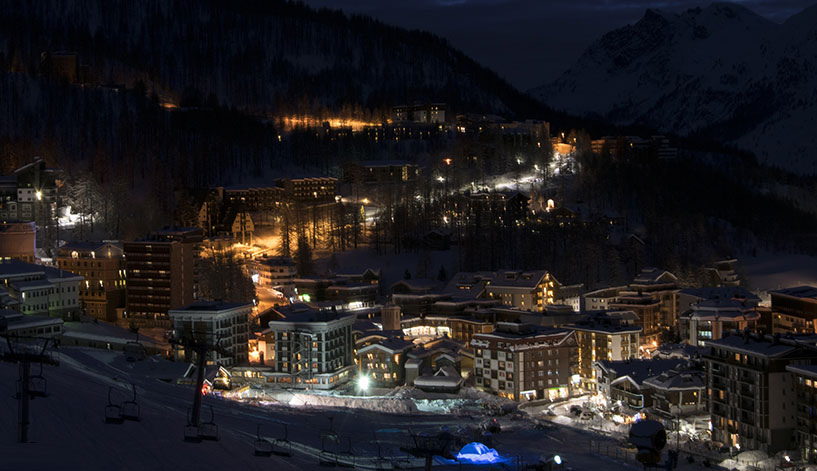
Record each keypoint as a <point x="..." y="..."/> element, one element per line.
<point x="134" y="351"/>
<point x="130" y="409"/>
<point x="381" y="463"/>
<point x="113" y="412"/>
<point x="37" y="385"/>
<point x="346" y="458"/>
<point x="327" y="458"/>
<point x="282" y="446"/>
<point x="330" y="434"/>
<point x="191" y="430"/>
<point x="209" y="430"/>
<point x="263" y="447"/>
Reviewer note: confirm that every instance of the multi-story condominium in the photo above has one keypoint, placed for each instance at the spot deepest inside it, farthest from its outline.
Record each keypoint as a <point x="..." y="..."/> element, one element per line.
<point x="313" y="349"/>
<point x="384" y="361"/>
<point x="103" y="266"/>
<point x="419" y="113"/>
<point x="17" y="240"/>
<point x="277" y="273"/>
<point x="722" y="273"/>
<point x="662" y="286"/>
<point x="309" y="190"/>
<point x="380" y="172"/>
<point x="708" y="320"/>
<point x="30" y="193"/>
<point x="610" y="335"/>
<point x="649" y="315"/>
<point x="601" y="299"/>
<point x="794" y="309"/>
<point x="805" y="393"/>
<point x="41" y="290"/>
<point x="13" y="323"/>
<point x="225" y="325"/>
<point x="524" y="362"/>
<point x="688" y="297"/>
<point x="530" y="291"/>
<point x="752" y="397"/>
<point x="161" y="275"/>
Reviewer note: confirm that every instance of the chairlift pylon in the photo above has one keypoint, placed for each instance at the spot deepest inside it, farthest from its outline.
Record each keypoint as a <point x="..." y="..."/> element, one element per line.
<point x="262" y="446"/>
<point x="130" y="409"/>
<point x="113" y="412"/>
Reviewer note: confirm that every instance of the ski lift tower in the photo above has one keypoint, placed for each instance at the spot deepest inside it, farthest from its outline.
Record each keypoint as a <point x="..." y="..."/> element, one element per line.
<point x="25" y="351"/>
<point x="428" y="445"/>
<point x="200" y="345"/>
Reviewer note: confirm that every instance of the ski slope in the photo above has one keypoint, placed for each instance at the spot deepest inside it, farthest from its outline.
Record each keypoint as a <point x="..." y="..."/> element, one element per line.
<point x="68" y="430"/>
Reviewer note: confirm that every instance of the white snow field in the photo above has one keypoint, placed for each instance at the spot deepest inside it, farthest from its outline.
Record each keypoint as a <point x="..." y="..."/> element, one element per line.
<point x="68" y="431"/>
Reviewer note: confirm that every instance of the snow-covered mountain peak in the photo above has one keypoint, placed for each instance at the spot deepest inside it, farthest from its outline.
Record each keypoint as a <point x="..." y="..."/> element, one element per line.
<point x="722" y="72"/>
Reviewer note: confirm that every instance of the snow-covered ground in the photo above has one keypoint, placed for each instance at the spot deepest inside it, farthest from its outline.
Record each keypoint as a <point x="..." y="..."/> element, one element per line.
<point x="68" y="431"/>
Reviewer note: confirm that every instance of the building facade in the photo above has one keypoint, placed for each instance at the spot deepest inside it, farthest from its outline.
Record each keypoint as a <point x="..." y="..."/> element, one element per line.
<point x="103" y="266"/>
<point x="313" y="349"/>
<point x="161" y="275"/>
<point x="794" y="309"/>
<point x="41" y="290"/>
<point x="611" y="335"/>
<point x="524" y="362"/>
<point x="17" y="241"/>
<point x="752" y="400"/>
<point x="223" y="324"/>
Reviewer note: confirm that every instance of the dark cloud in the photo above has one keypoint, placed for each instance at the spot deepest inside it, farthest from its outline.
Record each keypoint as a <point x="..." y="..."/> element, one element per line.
<point x="529" y="42"/>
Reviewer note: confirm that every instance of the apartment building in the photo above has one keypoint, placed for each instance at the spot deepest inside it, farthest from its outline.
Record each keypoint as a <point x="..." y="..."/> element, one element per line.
<point x="649" y="315"/>
<point x="752" y="397"/>
<point x="805" y="393"/>
<point x="17" y="241"/>
<point x="161" y="275"/>
<point x="524" y="362"/>
<point x="103" y="266"/>
<point x="530" y="290"/>
<point x="311" y="190"/>
<point x="708" y="320"/>
<point x="383" y="362"/>
<point x="662" y="286"/>
<point x="40" y="290"/>
<point x="314" y="349"/>
<point x="214" y="323"/>
<point x="794" y="309"/>
<point x="604" y="335"/>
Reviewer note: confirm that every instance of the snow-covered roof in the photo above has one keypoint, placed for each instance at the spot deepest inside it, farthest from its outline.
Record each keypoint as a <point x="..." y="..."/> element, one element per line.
<point x="639" y="370"/>
<point x="806" y="292"/>
<point x="766" y="346"/>
<point x="721" y="292"/>
<point x="678" y="380"/>
<point x="446" y="377"/>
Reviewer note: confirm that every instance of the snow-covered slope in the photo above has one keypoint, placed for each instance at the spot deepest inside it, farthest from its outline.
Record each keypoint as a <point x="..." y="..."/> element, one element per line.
<point x="721" y="72"/>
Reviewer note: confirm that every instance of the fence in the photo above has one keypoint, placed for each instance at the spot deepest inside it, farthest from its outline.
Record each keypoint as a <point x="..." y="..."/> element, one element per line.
<point x="613" y="451"/>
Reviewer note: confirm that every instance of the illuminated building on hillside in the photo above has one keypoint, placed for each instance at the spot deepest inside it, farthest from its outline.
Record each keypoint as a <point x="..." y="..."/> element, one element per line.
<point x="161" y="272"/>
<point x="103" y="266"/>
<point x="524" y="362"/>
<point x="314" y="348"/>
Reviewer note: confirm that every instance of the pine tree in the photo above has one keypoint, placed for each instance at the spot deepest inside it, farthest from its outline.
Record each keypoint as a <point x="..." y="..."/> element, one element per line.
<point x="303" y="257"/>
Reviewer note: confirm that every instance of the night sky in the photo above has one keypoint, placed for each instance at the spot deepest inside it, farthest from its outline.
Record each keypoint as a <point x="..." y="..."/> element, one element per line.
<point x="530" y="42"/>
